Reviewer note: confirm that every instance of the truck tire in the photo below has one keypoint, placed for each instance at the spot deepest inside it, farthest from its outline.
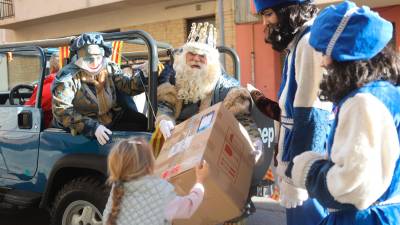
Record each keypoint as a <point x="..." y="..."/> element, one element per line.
<point x="80" y="202"/>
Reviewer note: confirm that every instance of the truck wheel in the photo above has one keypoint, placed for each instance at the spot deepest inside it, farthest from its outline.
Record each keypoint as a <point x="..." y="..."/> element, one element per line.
<point x="80" y="202"/>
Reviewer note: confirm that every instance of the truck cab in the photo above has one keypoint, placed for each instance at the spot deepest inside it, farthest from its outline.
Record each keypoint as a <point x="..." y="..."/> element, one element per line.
<point x="48" y="167"/>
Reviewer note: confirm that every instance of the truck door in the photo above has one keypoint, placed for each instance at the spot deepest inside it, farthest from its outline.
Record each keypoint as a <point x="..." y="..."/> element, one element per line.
<point x="20" y="125"/>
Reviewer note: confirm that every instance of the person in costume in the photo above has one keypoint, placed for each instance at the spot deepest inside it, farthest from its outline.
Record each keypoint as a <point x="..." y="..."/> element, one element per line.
<point x="46" y="95"/>
<point x="304" y="118"/>
<point x="198" y="82"/>
<point x="359" y="179"/>
<point x="85" y="92"/>
<point x="138" y="197"/>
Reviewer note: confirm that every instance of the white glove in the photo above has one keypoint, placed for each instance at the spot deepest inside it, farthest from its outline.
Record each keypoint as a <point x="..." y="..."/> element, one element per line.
<point x="258" y="149"/>
<point x="166" y="126"/>
<point x="301" y="166"/>
<point x="251" y="88"/>
<point x="145" y="68"/>
<point x="291" y="196"/>
<point x="102" y="134"/>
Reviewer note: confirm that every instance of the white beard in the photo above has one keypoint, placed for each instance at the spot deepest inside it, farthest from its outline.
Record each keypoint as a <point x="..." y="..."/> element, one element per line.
<point x="194" y="84"/>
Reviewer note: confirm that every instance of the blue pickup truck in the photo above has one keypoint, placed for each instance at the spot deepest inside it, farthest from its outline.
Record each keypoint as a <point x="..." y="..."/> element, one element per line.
<point x="48" y="167"/>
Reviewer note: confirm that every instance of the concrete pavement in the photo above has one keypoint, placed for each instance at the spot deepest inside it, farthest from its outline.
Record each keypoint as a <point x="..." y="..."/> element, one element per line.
<point x="268" y="212"/>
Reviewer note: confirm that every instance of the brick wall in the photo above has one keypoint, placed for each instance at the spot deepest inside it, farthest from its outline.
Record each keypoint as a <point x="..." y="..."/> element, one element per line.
<point x="174" y="33"/>
<point x="171" y="31"/>
<point x="230" y="38"/>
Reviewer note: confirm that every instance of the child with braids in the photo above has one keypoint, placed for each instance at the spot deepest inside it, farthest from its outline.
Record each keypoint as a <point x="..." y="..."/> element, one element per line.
<point x="139" y="197"/>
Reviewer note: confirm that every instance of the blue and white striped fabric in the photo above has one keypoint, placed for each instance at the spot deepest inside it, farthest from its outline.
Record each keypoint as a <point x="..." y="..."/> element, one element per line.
<point x="304" y="118"/>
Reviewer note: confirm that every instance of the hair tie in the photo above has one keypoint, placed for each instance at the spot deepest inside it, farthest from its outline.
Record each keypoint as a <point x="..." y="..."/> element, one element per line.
<point x="118" y="183"/>
<point x="135" y="142"/>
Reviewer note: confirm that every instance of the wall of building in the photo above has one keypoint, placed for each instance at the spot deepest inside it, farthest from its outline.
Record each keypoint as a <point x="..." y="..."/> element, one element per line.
<point x="169" y="31"/>
<point x="175" y="33"/>
<point x="229" y="29"/>
<point x="110" y="18"/>
<point x="166" y="21"/>
<point x="26" y="10"/>
<point x="260" y="65"/>
<point x="392" y="13"/>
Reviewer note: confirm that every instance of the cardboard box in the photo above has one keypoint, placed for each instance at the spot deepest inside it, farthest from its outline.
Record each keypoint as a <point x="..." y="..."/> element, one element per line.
<point x="216" y="136"/>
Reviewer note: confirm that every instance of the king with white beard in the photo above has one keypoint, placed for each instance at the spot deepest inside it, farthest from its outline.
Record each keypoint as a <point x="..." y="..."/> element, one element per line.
<point x="199" y="82"/>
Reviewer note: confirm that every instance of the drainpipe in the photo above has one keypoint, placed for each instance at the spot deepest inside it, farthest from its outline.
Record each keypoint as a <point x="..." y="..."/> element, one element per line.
<point x="253" y="57"/>
<point x="220" y="11"/>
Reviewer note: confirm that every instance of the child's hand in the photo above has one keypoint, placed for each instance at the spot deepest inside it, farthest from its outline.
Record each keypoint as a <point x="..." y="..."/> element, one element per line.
<point x="201" y="171"/>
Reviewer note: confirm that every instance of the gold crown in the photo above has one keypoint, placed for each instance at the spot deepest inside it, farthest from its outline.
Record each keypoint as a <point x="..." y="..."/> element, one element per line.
<point x="205" y="34"/>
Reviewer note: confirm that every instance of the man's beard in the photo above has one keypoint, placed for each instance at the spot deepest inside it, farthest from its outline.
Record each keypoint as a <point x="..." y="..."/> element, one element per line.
<point x="279" y="37"/>
<point x="195" y="84"/>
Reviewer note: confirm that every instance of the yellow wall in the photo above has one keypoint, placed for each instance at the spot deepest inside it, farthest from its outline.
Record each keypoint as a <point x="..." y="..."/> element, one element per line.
<point x="170" y="31"/>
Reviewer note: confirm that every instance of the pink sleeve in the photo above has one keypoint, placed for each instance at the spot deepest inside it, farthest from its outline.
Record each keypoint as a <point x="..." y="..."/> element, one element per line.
<point x="183" y="207"/>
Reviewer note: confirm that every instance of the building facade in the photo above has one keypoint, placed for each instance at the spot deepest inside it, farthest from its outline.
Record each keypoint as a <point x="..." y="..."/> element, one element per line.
<point x="164" y="20"/>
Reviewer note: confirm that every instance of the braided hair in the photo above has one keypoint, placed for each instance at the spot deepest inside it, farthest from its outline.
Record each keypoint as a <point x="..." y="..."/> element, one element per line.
<point x="129" y="160"/>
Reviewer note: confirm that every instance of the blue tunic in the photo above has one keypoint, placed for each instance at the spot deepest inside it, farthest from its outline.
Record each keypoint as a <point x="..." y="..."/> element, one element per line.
<point x="386" y="209"/>
<point x="304" y="127"/>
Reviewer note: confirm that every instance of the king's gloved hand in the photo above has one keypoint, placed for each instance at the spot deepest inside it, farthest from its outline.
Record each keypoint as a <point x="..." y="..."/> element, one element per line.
<point x="102" y="133"/>
<point x="166" y="126"/>
<point x="291" y="196"/>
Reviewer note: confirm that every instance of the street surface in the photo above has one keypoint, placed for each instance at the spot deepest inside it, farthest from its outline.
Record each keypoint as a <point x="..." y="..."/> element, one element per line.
<point x="268" y="213"/>
<point x="24" y="217"/>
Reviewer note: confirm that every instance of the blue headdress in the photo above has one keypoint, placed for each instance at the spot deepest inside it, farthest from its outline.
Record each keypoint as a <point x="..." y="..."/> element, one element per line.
<point x="346" y="32"/>
<point x="261" y="5"/>
<point x="86" y="39"/>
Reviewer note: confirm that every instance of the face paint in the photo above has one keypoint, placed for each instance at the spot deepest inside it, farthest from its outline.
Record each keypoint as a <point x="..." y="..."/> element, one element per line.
<point x="93" y="61"/>
<point x="91" y="58"/>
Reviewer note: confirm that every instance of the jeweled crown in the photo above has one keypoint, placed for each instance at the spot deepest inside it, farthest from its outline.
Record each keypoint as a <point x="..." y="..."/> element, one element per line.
<point x="203" y="33"/>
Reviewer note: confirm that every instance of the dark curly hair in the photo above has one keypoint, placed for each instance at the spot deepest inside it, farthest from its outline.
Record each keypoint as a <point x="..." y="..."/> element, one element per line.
<point x="344" y="77"/>
<point x="290" y="19"/>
